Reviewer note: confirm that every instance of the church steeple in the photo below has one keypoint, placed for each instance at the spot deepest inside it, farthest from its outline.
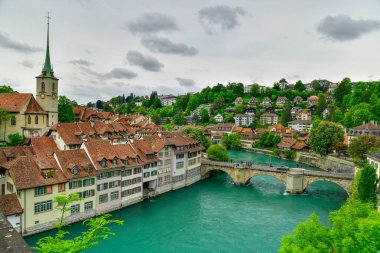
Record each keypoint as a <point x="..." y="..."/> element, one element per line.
<point x="47" y="70"/>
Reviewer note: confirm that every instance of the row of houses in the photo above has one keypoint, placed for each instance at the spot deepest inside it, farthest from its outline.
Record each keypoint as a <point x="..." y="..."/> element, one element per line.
<point x="281" y="101"/>
<point x="107" y="175"/>
<point x="324" y="84"/>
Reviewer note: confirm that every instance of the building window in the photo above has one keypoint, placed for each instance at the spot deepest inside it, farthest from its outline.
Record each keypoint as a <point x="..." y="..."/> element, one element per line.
<point x="75" y="184"/>
<point x="39" y="191"/>
<point x="103" y="198"/>
<point x="114" y="184"/>
<point x="127" y="173"/>
<point x="61" y="187"/>
<point x="43" y="87"/>
<point x="29" y="120"/>
<point x="137" y="170"/>
<point x="13" y="120"/>
<point x="75" y="209"/>
<point x="43" y="206"/>
<point x="88" y="206"/>
<point x="102" y="187"/>
<point x="180" y="165"/>
<point x="180" y="156"/>
<point x="9" y="187"/>
<point x="89" y="193"/>
<point x="114" y="195"/>
<point x="36" y="120"/>
<point x="89" y="181"/>
<point x="103" y="163"/>
<point x="53" y="87"/>
<point x="146" y="174"/>
<point x="154" y="172"/>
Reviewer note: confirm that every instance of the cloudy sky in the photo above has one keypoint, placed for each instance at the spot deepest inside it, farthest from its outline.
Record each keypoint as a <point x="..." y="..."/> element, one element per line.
<point x="101" y="49"/>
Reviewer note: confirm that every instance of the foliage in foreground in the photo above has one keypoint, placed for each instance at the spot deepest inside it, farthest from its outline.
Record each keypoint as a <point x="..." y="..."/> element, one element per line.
<point x="355" y="228"/>
<point x="364" y="186"/>
<point x="15" y="139"/>
<point x="97" y="228"/>
<point x="232" y="141"/>
<point x="217" y="152"/>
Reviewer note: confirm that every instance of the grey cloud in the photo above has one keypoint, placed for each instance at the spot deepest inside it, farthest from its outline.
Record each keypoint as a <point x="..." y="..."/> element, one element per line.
<point x="185" y="82"/>
<point x="165" y="46"/>
<point x="7" y="42"/>
<point x="220" y="18"/>
<point x="119" y="73"/>
<point x="144" y="61"/>
<point x="116" y="73"/>
<point x="151" y="23"/>
<point x="27" y="64"/>
<point x="344" y="28"/>
<point x="81" y="62"/>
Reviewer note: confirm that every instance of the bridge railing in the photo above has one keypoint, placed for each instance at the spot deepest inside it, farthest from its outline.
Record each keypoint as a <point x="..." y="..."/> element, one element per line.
<point x="249" y="165"/>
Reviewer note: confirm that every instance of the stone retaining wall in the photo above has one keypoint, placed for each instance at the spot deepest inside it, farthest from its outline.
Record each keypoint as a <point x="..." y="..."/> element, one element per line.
<point x="328" y="163"/>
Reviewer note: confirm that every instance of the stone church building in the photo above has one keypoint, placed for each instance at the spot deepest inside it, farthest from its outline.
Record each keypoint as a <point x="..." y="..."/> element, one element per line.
<point x="22" y="113"/>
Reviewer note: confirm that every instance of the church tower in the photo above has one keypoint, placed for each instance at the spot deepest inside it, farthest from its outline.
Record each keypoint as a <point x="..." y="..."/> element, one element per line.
<point x="47" y="86"/>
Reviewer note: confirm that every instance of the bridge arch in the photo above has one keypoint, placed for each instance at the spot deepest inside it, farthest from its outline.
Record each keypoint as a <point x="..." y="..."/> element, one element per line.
<point x="343" y="185"/>
<point x="278" y="177"/>
<point x="227" y="171"/>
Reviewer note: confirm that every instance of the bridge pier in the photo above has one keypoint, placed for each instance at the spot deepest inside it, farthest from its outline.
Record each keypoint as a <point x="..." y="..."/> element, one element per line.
<point x="294" y="182"/>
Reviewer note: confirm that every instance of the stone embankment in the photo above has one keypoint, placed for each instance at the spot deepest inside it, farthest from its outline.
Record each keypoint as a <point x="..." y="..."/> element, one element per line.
<point x="328" y="163"/>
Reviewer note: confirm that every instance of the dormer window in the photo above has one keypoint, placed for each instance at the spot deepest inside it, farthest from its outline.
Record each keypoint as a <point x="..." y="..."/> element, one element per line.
<point x="103" y="163"/>
<point x="114" y="161"/>
<point x="88" y="168"/>
<point x="75" y="170"/>
<point x="126" y="161"/>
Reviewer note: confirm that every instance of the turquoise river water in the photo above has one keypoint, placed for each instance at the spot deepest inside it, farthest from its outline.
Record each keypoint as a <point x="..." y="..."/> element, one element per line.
<point x="215" y="216"/>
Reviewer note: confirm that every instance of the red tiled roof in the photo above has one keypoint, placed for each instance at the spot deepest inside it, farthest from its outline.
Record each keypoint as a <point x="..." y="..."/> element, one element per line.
<point x="44" y="145"/>
<point x="26" y="171"/>
<point x="34" y="107"/>
<point x="367" y="126"/>
<point x="70" y="159"/>
<point x="69" y="133"/>
<point x="9" y="204"/>
<point x="14" y="102"/>
<point x="10" y="153"/>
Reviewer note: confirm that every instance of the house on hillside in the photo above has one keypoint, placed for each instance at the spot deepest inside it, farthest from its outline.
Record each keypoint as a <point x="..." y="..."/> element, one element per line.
<point x="218" y="118"/>
<point x="269" y="118"/>
<point x="367" y="128"/>
<point x="312" y="100"/>
<point x="238" y="101"/>
<point x="298" y="100"/>
<point x="243" y="119"/>
<point x="281" y="101"/>
<point x="266" y="101"/>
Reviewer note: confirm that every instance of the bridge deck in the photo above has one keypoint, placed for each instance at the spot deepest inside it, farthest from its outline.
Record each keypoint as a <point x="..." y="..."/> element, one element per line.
<point x="322" y="174"/>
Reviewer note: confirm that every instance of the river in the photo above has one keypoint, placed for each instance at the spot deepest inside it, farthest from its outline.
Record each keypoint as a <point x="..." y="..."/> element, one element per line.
<point x="215" y="216"/>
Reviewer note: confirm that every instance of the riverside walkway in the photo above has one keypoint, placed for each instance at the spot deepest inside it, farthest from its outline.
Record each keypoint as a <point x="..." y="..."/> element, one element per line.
<point x="296" y="180"/>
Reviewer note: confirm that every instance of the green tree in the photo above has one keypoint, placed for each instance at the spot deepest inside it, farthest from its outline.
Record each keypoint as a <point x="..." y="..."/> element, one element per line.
<point x="179" y="119"/>
<point x="321" y="105"/>
<point x="65" y="110"/>
<point x="299" y="86"/>
<point x="324" y="136"/>
<point x="316" y="85"/>
<point x="358" y="114"/>
<point x="255" y="90"/>
<point x="217" y="152"/>
<point x="197" y="134"/>
<point x="355" y="227"/>
<point x="343" y="89"/>
<point x="362" y="145"/>
<point x="240" y="109"/>
<point x="365" y="185"/>
<point x="6" y="89"/>
<point x="290" y="154"/>
<point x="232" y="141"/>
<point x="309" y="236"/>
<point x="286" y="114"/>
<point x="204" y="116"/>
<point x="97" y="228"/>
<point x="15" y="139"/>
<point x="4" y="117"/>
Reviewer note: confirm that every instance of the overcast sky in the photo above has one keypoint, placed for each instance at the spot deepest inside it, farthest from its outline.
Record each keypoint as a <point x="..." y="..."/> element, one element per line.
<point x="101" y="49"/>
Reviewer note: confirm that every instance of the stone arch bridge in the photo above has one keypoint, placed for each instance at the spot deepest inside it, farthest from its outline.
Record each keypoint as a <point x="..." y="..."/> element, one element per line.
<point x="296" y="180"/>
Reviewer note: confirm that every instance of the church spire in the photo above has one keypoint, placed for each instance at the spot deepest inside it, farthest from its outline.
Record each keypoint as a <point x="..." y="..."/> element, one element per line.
<point x="47" y="70"/>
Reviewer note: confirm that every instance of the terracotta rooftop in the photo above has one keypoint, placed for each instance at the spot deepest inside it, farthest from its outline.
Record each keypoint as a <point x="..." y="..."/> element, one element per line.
<point x="10" y="153"/>
<point x="9" y="204"/>
<point x="14" y="102"/>
<point x="367" y="126"/>
<point x="70" y="159"/>
<point x="34" y="107"/>
<point x="27" y="171"/>
<point x="44" y="145"/>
